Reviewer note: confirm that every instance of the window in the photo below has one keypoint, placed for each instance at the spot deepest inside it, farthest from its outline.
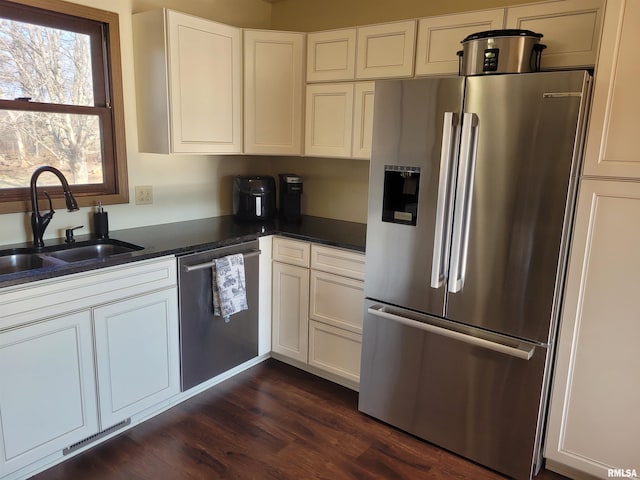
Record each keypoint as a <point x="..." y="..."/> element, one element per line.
<point x="60" y="102"/>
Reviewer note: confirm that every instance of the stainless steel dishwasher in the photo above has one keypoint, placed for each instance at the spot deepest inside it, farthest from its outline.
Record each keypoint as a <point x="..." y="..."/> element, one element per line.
<point x="210" y="346"/>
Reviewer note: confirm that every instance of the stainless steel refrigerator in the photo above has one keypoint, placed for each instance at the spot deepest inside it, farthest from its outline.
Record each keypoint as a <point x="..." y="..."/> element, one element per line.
<point x="471" y="192"/>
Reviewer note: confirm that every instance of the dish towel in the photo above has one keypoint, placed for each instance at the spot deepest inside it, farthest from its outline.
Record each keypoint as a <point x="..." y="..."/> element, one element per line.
<point x="229" y="287"/>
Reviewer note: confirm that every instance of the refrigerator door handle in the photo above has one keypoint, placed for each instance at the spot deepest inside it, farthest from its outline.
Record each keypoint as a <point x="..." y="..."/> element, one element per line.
<point x="522" y="351"/>
<point x="443" y="206"/>
<point x="464" y="191"/>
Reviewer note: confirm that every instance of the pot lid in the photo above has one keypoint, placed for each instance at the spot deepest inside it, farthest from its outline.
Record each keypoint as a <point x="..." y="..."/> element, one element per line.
<point x="511" y="32"/>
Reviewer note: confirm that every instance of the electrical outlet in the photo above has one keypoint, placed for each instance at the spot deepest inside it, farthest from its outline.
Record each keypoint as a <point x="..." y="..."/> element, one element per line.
<point x="144" y="195"/>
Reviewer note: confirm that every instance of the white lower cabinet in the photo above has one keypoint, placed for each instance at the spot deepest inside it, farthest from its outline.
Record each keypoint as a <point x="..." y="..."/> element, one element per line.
<point x="47" y="389"/>
<point x="593" y="420"/>
<point x="290" y="311"/>
<point x="52" y="394"/>
<point x="317" y="308"/>
<point x="335" y="350"/>
<point x="137" y="354"/>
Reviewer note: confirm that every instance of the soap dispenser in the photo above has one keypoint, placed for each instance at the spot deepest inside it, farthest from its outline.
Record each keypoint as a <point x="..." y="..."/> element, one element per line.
<point x="101" y="222"/>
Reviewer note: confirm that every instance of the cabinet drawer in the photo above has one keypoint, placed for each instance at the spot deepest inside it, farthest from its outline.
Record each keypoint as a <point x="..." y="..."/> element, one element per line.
<point x="23" y="303"/>
<point x="335" y="260"/>
<point x="335" y="350"/>
<point x="336" y="300"/>
<point x="293" y="252"/>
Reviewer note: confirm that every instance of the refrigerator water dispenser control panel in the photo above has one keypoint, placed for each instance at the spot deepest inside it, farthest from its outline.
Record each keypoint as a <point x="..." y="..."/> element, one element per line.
<point x="400" y="196"/>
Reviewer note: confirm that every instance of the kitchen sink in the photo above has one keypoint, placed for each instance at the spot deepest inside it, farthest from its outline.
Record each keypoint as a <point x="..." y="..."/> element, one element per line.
<point x="22" y="259"/>
<point x="17" y="262"/>
<point x="96" y="251"/>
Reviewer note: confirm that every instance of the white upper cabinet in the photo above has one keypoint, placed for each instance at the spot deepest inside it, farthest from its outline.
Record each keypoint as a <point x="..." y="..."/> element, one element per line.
<point x="439" y="38"/>
<point x="329" y="119"/>
<point x="611" y="149"/>
<point x="339" y="119"/>
<point x="273" y="92"/>
<point x="363" y="96"/>
<point x="571" y="30"/>
<point x="331" y="55"/>
<point x="385" y="50"/>
<point x="188" y="84"/>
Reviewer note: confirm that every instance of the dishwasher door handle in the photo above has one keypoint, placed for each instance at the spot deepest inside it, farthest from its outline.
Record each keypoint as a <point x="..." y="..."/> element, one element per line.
<point x="200" y="266"/>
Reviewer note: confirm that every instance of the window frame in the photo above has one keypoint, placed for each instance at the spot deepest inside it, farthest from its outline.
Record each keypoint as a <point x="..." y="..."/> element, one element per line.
<point x="109" y="108"/>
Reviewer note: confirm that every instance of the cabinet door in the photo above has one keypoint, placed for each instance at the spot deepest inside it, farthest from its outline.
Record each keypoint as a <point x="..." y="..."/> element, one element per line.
<point x="290" y="311"/>
<point x="47" y="389"/>
<point x="329" y="120"/>
<point x="331" y="55"/>
<point x="363" y="97"/>
<point x="205" y="85"/>
<point x="439" y="38"/>
<point x="594" y="421"/>
<point x="386" y="50"/>
<point x="273" y="92"/>
<point x="335" y="350"/>
<point x="136" y="354"/>
<point x="611" y="149"/>
<point x="571" y="30"/>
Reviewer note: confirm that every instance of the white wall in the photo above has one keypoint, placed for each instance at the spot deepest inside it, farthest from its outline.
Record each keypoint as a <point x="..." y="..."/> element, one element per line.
<point x="184" y="187"/>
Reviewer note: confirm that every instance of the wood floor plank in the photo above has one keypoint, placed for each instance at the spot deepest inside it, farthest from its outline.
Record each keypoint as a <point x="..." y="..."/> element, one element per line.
<point x="272" y="422"/>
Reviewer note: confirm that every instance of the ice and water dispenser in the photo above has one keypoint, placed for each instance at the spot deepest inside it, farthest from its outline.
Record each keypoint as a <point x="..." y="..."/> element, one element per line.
<point x="400" y="197"/>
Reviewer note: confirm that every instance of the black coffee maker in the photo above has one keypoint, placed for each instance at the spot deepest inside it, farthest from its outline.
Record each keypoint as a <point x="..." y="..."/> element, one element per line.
<point x="290" y="197"/>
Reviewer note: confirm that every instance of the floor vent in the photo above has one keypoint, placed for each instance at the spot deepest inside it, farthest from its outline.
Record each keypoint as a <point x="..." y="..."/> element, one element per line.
<point x="95" y="436"/>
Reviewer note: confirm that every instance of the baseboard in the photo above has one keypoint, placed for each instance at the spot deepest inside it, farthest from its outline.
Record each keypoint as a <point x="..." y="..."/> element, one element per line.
<point x="567" y="471"/>
<point x="317" y="372"/>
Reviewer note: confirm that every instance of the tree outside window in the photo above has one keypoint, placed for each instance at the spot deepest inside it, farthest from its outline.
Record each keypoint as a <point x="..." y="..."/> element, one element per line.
<point x="60" y="101"/>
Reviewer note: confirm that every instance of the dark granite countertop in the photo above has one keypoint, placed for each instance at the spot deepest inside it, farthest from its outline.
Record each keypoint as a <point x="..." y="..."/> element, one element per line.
<point x="193" y="236"/>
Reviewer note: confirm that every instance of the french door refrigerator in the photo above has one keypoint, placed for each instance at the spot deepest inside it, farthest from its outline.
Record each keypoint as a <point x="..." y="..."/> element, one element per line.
<point x="471" y="192"/>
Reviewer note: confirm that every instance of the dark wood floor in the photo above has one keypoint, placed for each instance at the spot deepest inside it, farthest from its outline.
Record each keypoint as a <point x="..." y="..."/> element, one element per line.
<point x="270" y="422"/>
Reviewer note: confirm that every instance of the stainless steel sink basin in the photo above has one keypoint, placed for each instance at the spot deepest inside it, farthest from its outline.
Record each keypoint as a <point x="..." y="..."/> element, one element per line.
<point x="97" y="251"/>
<point x="22" y="259"/>
<point x="18" y="262"/>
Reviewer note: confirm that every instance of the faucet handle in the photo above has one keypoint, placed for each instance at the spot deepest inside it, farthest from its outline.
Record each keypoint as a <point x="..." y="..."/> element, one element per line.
<point x="69" y="234"/>
<point x="51" y="210"/>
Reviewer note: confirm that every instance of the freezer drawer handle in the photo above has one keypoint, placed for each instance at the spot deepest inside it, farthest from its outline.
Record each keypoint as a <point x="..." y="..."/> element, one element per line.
<point x="443" y="208"/>
<point x="200" y="266"/>
<point x="525" y="352"/>
<point x="464" y="194"/>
